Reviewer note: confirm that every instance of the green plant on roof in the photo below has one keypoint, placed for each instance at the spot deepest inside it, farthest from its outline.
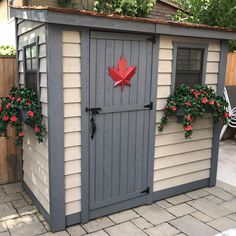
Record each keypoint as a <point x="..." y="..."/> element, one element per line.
<point x="137" y="8"/>
<point x="6" y="50"/>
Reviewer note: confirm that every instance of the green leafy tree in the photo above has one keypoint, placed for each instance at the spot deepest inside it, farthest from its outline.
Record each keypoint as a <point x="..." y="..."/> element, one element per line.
<point x="138" y="8"/>
<point x="210" y="12"/>
<point x="6" y="50"/>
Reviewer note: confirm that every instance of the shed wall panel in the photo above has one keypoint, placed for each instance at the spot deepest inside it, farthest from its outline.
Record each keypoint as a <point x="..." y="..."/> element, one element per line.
<point x="179" y="161"/>
<point x="71" y="49"/>
<point x="35" y="155"/>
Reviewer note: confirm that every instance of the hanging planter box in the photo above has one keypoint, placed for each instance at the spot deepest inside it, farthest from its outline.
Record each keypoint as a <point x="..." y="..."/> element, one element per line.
<point x="180" y="115"/>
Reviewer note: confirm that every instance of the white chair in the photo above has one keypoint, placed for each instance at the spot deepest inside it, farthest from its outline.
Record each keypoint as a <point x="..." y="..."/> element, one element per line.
<point x="232" y="113"/>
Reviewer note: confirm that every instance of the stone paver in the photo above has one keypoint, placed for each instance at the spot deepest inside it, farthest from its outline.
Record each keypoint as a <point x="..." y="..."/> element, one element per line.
<point x="230" y="205"/>
<point x="13" y="188"/>
<point x="201" y="216"/>
<point x="99" y="233"/>
<point x="230" y="232"/>
<point x="197" y="194"/>
<point x="220" y="193"/>
<point x="232" y="217"/>
<point x="214" y="199"/>
<point x="10" y="197"/>
<point x="193" y="227"/>
<point x="222" y="224"/>
<point x="3" y="227"/>
<point x="76" y="230"/>
<point x="154" y="214"/>
<point x="178" y="199"/>
<point x="96" y="225"/>
<point x="126" y="228"/>
<point x="162" y="230"/>
<point x="27" y="210"/>
<point x="26" y="225"/>
<point x="7" y="211"/>
<point x="5" y="234"/>
<point x="163" y="204"/>
<point x="181" y="209"/>
<point x="123" y="216"/>
<point x="209" y="208"/>
<point x="19" y="203"/>
<point x="142" y="223"/>
<point x="61" y="233"/>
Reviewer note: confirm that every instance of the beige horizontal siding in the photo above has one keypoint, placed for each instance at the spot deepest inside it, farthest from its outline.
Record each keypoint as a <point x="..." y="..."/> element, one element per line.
<point x="177" y="160"/>
<point x="71" y="49"/>
<point x="35" y="155"/>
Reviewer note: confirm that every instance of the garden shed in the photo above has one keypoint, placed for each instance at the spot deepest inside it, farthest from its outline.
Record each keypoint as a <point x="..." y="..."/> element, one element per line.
<point x="102" y="81"/>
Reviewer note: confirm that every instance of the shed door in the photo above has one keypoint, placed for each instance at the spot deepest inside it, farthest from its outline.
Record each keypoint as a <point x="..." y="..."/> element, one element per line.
<point x="119" y="151"/>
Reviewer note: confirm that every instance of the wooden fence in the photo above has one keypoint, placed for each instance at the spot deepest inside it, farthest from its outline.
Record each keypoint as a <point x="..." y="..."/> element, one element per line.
<point x="231" y="70"/>
<point x="9" y="171"/>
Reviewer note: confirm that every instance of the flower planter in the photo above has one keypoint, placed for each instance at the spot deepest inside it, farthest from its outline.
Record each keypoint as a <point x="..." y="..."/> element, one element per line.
<point x="180" y="115"/>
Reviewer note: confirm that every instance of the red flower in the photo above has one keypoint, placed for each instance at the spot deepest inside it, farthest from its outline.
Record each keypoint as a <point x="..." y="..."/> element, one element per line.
<point x="192" y="90"/>
<point x="31" y="114"/>
<point x="8" y="105"/>
<point x="197" y="93"/>
<point x="212" y="102"/>
<point x="204" y="92"/>
<point x="0" y="108"/>
<point x="9" y="96"/>
<point x="188" y="128"/>
<point x="37" y="129"/>
<point x="165" y="108"/>
<point x="21" y="134"/>
<point x="6" y="118"/>
<point x="18" y="99"/>
<point x="174" y="108"/>
<point x="226" y="115"/>
<point x="204" y="100"/>
<point x="13" y="99"/>
<point x="28" y="103"/>
<point x="218" y="105"/>
<point x="188" y="118"/>
<point x="187" y="104"/>
<point x="14" y="119"/>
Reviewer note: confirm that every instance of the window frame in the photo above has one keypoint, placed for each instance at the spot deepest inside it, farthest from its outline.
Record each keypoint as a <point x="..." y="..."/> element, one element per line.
<point x="176" y="46"/>
<point x="34" y="42"/>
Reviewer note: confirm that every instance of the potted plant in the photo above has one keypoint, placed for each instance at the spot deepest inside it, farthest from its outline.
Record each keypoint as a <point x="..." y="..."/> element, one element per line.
<point x="20" y="108"/>
<point x="192" y="103"/>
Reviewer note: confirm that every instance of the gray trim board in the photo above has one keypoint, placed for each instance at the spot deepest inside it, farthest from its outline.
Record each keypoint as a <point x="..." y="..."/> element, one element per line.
<point x="55" y="127"/>
<point x="118" y="24"/>
<point x="177" y="45"/>
<point x="36" y="201"/>
<point x="152" y="122"/>
<point x="217" y="126"/>
<point x="85" y="139"/>
<point x="73" y="219"/>
<point x="170" y="192"/>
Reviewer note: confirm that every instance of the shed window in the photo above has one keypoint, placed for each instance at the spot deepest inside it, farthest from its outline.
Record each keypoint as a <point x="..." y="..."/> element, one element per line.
<point x="189" y="66"/>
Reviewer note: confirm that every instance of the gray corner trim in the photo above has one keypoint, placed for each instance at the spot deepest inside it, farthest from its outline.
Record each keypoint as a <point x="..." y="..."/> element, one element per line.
<point x="177" y="45"/>
<point x="85" y="48"/>
<point x="217" y="126"/>
<point x="170" y="192"/>
<point x="55" y="127"/>
<point x="17" y="54"/>
<point x="152" y="129"/>
<point x="118" y="24"/>
<point x="73" y="219"/>
<point x="36" y="201"/>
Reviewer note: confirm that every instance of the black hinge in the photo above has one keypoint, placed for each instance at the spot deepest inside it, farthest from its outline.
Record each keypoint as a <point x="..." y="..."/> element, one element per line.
<point x="149" y="106"/>
<point x="153" y="39"/>
<point x="93" y="110"/>
<point x="146" y="191"/>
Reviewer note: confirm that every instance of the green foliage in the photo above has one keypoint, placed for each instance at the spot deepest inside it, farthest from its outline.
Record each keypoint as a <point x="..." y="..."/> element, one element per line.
<point x="194" y="103"/>
<point x="138" y="8"/>
<point x="6" y="50"/>
<point x="18" y="108"/>
<point x="210" y="12"/>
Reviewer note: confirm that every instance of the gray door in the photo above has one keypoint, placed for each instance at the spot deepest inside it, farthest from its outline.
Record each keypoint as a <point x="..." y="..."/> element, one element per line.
<point x="119" y="151"/>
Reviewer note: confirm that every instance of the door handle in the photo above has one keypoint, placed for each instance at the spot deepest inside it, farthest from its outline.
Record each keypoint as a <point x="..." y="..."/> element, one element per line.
<point x="94" y="127"/>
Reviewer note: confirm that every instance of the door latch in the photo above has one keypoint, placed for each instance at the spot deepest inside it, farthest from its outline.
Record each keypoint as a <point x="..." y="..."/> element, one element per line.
<point x="149" y="106"/>
<point x="146" y="191"/>
<point x="94" y="112"/>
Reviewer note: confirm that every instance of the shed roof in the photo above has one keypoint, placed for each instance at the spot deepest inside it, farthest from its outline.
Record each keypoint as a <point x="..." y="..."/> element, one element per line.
<point x="76" y="17"/>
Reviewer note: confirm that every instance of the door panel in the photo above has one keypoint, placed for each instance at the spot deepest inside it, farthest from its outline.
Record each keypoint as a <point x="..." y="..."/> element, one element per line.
<point x="119" y="151"/>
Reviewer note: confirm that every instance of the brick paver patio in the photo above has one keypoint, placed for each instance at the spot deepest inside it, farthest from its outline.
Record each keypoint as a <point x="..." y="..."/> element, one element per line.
<point x="203" y="212"/>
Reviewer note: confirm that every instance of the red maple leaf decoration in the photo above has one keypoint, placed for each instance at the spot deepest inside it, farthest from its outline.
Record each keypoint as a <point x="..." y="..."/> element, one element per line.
<point x="123" y="75"/>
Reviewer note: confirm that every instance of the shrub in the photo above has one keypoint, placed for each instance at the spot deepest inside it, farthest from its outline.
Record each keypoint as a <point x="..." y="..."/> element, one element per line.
<point x="6" y="50"/>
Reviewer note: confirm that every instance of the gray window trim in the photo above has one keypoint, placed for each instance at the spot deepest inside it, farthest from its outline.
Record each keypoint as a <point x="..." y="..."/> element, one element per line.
<point x="177" y="45"/>
<point x="34" y="41"/>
